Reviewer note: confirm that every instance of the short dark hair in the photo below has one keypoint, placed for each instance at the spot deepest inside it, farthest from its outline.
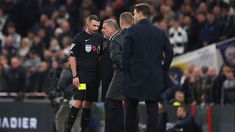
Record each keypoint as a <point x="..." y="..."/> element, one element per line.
<point x="144" y="9"/>
<point x="93" y="17"/>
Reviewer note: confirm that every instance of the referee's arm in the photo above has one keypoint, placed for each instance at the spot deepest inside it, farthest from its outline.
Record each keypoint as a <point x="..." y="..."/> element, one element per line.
<point x="73" y="63"/>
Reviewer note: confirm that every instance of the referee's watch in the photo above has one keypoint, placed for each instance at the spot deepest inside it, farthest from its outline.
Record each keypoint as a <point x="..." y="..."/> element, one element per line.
<point x="75" y="75"/>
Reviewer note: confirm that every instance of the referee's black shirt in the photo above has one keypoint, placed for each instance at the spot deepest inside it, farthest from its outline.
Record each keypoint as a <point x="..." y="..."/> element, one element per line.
<point x="87" y="49"/>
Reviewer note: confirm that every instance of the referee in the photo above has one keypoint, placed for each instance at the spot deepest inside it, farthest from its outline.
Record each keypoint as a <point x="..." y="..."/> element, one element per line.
<point x="84" y="57"/>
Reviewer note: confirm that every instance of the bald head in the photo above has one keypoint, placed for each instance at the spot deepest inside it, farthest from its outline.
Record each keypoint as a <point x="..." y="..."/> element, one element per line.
<point x="126" y="20"/>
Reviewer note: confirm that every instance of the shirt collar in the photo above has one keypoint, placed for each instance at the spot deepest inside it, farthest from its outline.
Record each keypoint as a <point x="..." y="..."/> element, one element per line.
<point x="110" y="38"/>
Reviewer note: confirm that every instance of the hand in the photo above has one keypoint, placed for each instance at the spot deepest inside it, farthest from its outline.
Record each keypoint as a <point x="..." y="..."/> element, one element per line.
<point x="76" y="81"/>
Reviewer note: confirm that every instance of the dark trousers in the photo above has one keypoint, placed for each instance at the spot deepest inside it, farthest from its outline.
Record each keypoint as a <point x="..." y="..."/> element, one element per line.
<point x="114" y="117"/>
<point x="131" y="118"/>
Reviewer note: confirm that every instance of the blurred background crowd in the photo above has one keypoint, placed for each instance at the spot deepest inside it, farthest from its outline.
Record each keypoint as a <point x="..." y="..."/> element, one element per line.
<point x="35" y="37"/>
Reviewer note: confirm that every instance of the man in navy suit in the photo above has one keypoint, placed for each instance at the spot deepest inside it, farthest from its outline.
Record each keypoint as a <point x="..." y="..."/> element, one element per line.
<point x="147" y="56"/>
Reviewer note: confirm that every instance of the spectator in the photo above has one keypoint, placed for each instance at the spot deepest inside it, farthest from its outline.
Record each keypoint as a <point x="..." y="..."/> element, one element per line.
<point x="54" y="45"/>
<point x="33" y="60"/>
<point x="163" y="25"/>
<point x="4" y="19"/>
<point x="44" y="36"/>
<point x="217" y="11"/>
<point x="217" y="85"/>
<point x="188" y="10"/>
<point x="66" y="45"/>
<point x="3" y="84"/>
<point x="48" y="6"/>
<point x="88" y="4"/>
<point x="12" y="32"/>
<point x="4" y="61"/>
<point x="24" y="48"/>
<point x="202" y="8"/>
<point x="179" y="99"/>
<point x="87" y="8"/>
<point x="2" y="38"/>
<point x="189" y="83"/>
<point x="178" y="37"/>
<point x="196" y="85"/>
<point x="191" y="31"/>
<point x="228" y="30"/>
<point x="45" y="23"/>
<point x="63" y="15"/>
<point x="211" y="76"/>
<point x="66" y="30"/>
<point x="4" y="68"/>
<point x="228" y="87"/>
<point x="37" y="46"/>
<point x="42" y="79"/>
<point x="210" y="4"/>
<point x="16" y="76"/>
<point x="199" y="24"/>
<point x="160" y="23"/>
<point x="51" y="84"/>
<point x="54" y="75"/>
<point x="186" y="122"/>
<point x="47" y="56"/>
<point x="8" y="49"/>
<point x="32" y="76"/>
<point x="30" y="36"/>
<point x="72" y="7"/>
<point x="211" y="31"/>
<point x="167" y="13"/>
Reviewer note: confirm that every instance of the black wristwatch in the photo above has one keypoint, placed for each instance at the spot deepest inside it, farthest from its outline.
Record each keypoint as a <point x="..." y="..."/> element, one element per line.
<point x="75" y="75"/>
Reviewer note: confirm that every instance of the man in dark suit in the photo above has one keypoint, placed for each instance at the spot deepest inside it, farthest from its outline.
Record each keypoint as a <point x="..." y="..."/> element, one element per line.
<point x="110" y="29"/>
<point x="114" y="114"/>
<point x="147" y="56"/>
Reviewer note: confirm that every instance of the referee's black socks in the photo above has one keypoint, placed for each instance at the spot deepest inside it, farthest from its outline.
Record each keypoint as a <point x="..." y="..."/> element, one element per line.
<point x="85" y="119"/>
<point x="72" y="117"/>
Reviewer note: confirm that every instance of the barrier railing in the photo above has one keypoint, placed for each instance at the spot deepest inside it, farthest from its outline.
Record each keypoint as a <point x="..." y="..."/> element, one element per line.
<point x="37" y="115"/>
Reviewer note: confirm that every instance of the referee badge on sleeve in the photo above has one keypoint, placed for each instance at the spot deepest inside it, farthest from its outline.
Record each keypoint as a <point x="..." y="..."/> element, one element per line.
<point x="88" y="48"/>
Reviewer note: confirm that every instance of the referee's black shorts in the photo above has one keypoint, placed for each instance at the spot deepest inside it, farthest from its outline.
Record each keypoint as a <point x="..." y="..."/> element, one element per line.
<point x="91" y="79"/>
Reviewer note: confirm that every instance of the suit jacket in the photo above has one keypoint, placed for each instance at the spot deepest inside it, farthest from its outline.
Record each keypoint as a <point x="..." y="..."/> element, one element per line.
<point x="147" y="56"/>
<point x="115" y="90"/>
<point x="106" y="68"/>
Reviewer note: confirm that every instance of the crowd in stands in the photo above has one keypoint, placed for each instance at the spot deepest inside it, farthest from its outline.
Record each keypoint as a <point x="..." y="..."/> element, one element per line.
<point x="35" y="35"/>
<point x="202" y="86"/>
